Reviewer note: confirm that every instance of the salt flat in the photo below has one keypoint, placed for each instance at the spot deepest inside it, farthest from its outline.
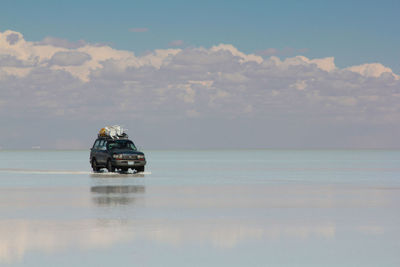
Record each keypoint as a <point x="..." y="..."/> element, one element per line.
<point x="202" y="208"/>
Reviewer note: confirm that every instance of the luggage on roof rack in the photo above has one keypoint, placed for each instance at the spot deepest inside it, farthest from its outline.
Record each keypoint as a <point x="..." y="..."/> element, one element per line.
<point x="113" y="132"/>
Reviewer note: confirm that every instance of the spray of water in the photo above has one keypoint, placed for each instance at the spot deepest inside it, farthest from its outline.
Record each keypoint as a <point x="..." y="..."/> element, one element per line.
<point x="70" y="172"/>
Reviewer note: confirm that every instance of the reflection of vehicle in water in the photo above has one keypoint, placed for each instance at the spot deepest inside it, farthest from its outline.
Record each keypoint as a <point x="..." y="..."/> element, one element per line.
<point x="113" y="150"/>
<point x="111" y="195"/>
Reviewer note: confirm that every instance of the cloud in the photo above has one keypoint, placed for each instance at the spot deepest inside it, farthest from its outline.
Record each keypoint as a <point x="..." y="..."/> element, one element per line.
<point x="45" y="80"/>
<point x="176" y="43"/>
<point x="13" y="38"/>
<point x="138" y="29"/>
<point x="235" y="52"/>
<point x="58" y="42"/>
<point x="326" y="64"/>
<point x="69" y="58"/>
<point x="10" y="61"/>
<point x="372" y="70"/>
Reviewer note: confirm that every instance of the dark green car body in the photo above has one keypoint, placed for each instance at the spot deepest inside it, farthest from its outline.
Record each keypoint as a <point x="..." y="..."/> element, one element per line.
<point x="116" y="154"/>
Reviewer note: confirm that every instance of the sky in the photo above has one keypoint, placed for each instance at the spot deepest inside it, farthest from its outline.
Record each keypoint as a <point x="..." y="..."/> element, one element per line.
<point x="201" y="74"/>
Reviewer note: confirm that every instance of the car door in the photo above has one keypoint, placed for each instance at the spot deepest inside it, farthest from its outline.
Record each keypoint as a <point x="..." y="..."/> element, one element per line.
<point x="94" y="150"/>
<point x="103" y="155"/>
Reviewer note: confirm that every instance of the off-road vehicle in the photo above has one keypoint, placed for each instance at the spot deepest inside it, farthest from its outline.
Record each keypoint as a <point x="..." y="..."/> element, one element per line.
<point x="116" y="152"/>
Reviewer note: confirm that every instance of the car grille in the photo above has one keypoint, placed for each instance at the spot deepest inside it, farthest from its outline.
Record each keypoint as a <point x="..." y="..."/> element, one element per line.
<point x="129" y="157"/>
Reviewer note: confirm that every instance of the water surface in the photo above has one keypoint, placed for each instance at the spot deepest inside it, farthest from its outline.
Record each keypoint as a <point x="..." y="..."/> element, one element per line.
<point x="202" y="208"/>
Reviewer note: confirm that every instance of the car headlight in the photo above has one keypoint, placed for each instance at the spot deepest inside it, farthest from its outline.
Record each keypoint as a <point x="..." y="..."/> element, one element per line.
<point x="117" y="156"/>
<point x="140" y="157"/>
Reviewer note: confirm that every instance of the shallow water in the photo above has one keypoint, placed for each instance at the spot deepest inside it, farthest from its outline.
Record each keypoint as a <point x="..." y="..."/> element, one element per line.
<point x="202" y="208"/>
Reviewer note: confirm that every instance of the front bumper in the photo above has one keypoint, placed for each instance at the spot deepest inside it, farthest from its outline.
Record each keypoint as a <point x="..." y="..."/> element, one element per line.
<point x="128" y="163"/>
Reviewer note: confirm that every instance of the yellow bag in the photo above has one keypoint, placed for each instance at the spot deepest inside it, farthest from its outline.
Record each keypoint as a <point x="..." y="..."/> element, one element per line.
<point x="102" y="132"/>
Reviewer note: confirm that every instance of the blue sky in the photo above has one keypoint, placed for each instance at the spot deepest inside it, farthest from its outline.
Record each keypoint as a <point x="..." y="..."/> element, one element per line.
<point x="353" y="32"/>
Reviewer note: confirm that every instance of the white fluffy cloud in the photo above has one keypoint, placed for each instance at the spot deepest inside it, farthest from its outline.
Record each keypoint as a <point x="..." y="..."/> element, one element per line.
<point x="57" y="79"/>
<point x="373" y="70"/>
<point x="70" y="58"/>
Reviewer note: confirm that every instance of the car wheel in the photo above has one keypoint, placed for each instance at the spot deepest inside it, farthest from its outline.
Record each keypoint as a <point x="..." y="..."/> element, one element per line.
<point x="110" y="168"/>
<point x="94" y="166"/>
<point x="140" y="169"/>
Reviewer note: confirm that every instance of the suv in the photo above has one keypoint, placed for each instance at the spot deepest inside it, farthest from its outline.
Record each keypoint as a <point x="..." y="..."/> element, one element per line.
<point x="116" y="154"/>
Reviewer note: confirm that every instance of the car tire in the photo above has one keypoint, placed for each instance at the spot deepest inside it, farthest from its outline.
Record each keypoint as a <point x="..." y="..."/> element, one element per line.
<point x="94" y="165"/>
<point x="110" y="167"/>
<point x="140" y="169"/>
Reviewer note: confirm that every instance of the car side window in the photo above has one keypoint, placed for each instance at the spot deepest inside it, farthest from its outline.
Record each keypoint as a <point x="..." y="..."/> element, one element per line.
<point x="96" y="144"/>
<point x="102" y="145"/>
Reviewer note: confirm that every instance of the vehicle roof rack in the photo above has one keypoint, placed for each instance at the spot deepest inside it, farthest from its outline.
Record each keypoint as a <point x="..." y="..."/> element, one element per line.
<point x="112" y="132"/>
<point x="118" y="137"/>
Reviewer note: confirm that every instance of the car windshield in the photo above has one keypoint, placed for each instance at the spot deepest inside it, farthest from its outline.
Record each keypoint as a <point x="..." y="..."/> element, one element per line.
<point x="121" y="144"/>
